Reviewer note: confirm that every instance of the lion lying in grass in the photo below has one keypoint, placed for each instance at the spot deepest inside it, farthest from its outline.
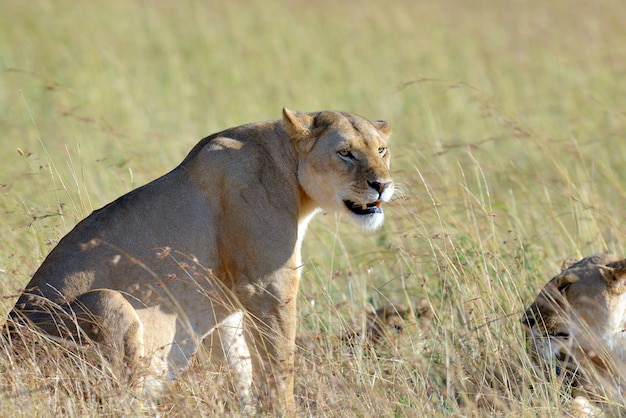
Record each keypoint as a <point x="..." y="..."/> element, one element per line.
<point x="389" y="321"/>
<point x="578" y="324"/>
<point x="151" y="274"/>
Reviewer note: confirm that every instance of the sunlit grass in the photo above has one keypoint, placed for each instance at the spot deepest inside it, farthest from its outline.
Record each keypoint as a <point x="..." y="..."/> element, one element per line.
<point x="508" y="130"/>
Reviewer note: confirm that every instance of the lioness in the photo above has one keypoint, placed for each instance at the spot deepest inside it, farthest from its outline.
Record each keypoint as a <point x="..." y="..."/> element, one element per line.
<point x="578" y="322"/>
<point x="153" y="272"/>
<point x="387" y="322"/>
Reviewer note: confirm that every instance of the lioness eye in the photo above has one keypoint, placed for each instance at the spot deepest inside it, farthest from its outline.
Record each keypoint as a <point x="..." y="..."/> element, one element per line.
<point x="382" y="150"/>
<point x="345" y="153"/>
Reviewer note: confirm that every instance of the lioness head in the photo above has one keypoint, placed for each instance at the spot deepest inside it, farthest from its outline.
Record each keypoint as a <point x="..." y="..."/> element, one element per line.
<point x="579" y="317"/>
<point x="343" y="163"/>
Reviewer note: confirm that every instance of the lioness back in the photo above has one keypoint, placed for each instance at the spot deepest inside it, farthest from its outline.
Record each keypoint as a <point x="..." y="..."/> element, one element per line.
<point x="220" y="232"/>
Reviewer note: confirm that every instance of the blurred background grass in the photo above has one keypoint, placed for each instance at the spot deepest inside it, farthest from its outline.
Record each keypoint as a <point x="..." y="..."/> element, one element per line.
<point x="508" y="151"/>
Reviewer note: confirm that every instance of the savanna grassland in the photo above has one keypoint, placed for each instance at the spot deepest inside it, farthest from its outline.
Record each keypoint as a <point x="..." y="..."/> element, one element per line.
<point x="509" y="152"/>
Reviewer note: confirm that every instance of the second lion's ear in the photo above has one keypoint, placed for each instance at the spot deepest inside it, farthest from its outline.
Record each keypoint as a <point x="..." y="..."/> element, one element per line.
<point x="568" y="263"/>
<point x="562" y="281"/>
<point x="614" y="275"/>
<point x="383" y="127"/>
<point x="299" y="125"/>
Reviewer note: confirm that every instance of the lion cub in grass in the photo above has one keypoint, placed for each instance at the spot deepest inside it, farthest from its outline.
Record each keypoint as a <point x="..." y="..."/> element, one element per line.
<point x="151" y="274"/>
<point x="577" y="323"/>
<point x="389" y="321"/>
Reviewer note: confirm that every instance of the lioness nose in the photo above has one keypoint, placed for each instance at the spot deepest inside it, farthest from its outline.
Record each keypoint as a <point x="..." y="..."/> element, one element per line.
<point x="378" y="186"/>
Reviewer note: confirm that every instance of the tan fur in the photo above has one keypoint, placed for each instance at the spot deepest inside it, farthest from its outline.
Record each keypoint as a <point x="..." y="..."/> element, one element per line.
<point x="578" y="322"/>
<point x="387" y="322"/>
<point x="161" y="266"/>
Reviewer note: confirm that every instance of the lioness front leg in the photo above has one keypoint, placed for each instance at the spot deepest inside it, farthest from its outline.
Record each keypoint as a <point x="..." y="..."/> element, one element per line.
<point x="237" y="354"/>
<point x="273" y="309"/>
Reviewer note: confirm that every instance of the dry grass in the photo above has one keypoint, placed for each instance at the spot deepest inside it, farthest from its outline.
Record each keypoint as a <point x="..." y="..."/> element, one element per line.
<point x="508" y="150"/>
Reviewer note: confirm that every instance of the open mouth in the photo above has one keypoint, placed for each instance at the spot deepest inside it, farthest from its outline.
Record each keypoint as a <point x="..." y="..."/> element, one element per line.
<point x="364" y="208"/>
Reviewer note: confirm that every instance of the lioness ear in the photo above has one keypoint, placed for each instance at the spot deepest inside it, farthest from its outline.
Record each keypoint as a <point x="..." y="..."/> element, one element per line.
<point x="619" y="266"/>
<point x="614" y="275"/>
<point x="299" y="125"/>
<point x="562" y="281"/>
<point x="568" y="263"/>
<point x="383" y="127"/>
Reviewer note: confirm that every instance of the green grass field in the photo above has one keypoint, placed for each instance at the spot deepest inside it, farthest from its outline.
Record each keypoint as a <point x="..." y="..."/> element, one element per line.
<point x="508" y="151"/>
